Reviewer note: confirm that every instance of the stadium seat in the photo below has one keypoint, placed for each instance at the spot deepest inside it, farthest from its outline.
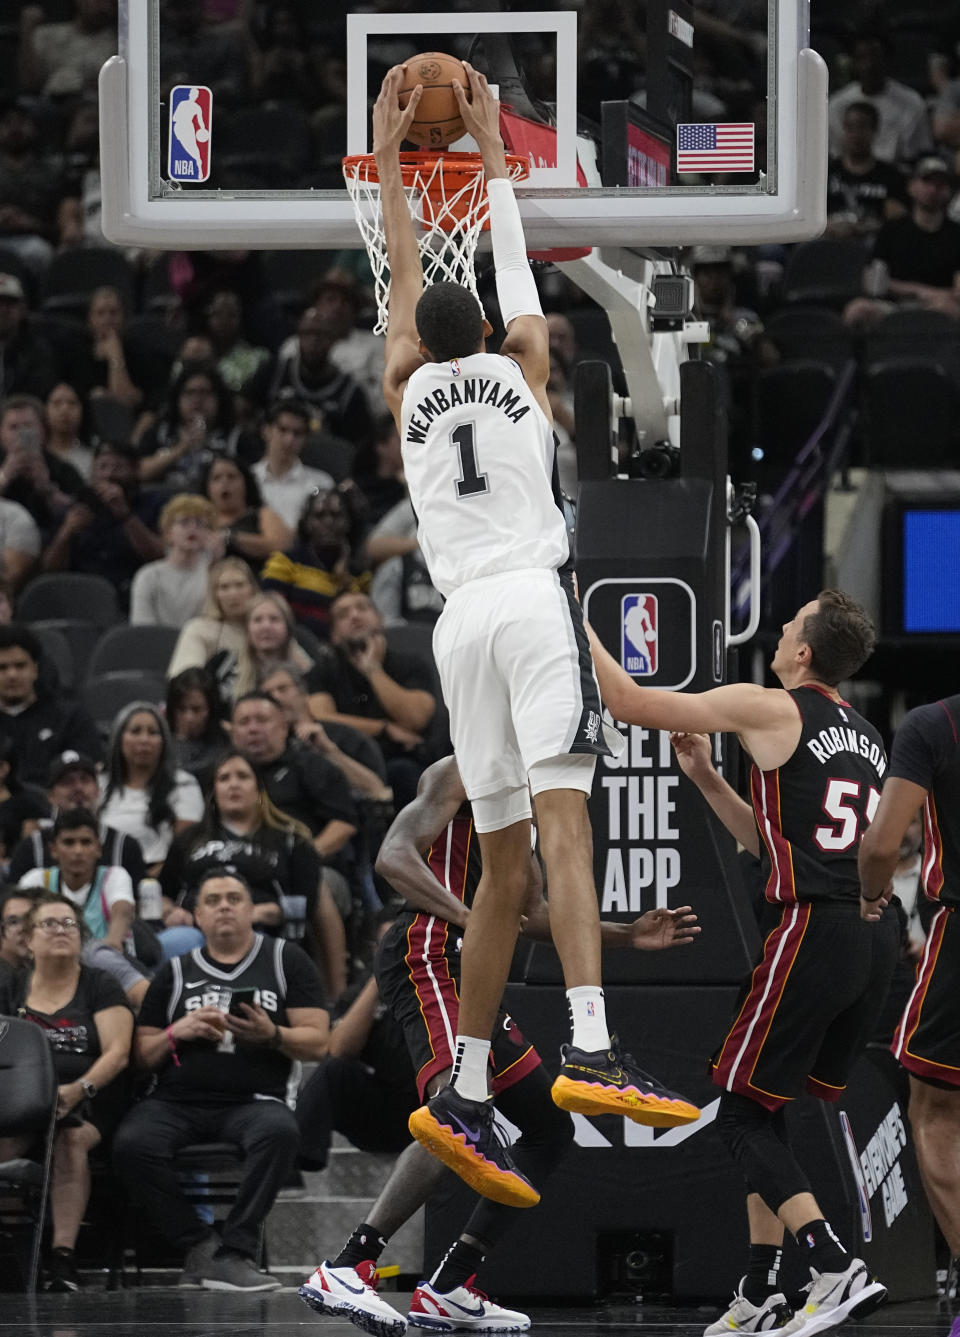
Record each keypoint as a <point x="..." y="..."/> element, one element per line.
<point x="913" y="332"/>
<point x="81" y="638"/>
<point x="28" y="1104"/>
<point x="57" y="649"/>
<point x="330" y="453"/>
<point x="124" y="649"/>
<point x="74" y="275"/>
<point x="828" y="271"/>
<point x="810" y="333"/>
<point x="65" y="594"/>
<point x="791" y="401"/>
<point x="108" y="693"/>
<point x="911" y="415"/>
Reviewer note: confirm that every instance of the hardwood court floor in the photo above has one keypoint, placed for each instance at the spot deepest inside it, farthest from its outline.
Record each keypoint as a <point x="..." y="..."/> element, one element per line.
<point x="156" y="1312"/>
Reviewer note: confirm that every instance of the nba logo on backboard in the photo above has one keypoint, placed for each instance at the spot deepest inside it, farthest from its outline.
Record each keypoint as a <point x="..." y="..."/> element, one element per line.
<point x="191" y="111"/>
<point x="639" y="634"/>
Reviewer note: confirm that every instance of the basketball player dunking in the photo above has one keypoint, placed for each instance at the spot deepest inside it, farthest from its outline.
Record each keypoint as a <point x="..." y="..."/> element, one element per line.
<point x="479" y="459"/>
<point x="808" y="1008"/>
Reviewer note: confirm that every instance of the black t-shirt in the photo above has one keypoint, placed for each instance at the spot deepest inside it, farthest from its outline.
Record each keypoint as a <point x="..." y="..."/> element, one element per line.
<point x="864" y="194"/>
<point x="280" y="867"/>
<point x="926" y="751"/>
<point x="915" y="256"/>
<point x="309" y="788"/>
<point x="26" y="805"/>
<point x="229" y="1071"/>
<point x="353" y="695"/>
<point x="45" y="729"/>
<point x="71" y="1030"/>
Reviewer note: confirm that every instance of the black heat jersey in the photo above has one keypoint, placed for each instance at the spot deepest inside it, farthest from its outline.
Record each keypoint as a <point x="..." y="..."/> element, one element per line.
<point x="812" y="811"/>
<point x="926" y="751"/>
<point x="454" y="860"/>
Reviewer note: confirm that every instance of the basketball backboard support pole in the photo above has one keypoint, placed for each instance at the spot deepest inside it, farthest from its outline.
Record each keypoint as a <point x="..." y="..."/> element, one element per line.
<point x="786" y="203"/>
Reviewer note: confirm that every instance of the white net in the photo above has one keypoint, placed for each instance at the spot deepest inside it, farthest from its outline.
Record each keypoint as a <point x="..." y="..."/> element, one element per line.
<point x="448" y="203"/>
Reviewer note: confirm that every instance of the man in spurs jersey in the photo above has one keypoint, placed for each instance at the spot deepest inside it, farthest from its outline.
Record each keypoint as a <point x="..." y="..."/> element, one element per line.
<point x="808" y="1008"/>
<point x="525" y="716"/>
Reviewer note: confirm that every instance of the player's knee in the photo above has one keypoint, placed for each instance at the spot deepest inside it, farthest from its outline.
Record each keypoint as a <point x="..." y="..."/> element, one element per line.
<point x="739" y="1117"/>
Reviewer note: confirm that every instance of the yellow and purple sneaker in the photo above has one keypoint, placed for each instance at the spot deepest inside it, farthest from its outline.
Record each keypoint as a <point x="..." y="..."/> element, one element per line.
<point x="609" y="1082"/>
<point x="464" y="1135"/>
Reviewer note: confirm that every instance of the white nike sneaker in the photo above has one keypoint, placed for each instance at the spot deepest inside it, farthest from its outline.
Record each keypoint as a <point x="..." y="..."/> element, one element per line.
<point x="742" y="1316"/>
<point x="351" y="1293"/>
<point x="833" y="1297"/>
<point x="462" y="1309"/>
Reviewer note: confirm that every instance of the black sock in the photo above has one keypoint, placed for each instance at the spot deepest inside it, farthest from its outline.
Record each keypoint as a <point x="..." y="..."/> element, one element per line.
<point x="763" y="1273"/>
<point x="460" y="1262"/>
<point x="821" y="1248"/>
<point x="62" y="1251"/>
<point x="365" y="1243"/>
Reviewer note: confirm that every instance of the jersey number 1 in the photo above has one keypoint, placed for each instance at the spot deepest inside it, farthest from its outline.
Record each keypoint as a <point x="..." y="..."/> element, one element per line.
<point x="470" y="481"/>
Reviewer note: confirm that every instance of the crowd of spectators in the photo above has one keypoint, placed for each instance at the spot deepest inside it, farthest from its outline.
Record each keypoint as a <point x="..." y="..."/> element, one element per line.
<point x="216" y="451"/>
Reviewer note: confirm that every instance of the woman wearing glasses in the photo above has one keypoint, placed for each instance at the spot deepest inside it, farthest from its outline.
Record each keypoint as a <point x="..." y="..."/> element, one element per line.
<point x="89" y="1026"/>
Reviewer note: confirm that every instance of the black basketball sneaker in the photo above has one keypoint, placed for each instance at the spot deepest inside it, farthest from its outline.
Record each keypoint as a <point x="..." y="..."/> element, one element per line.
<point x="464" y="1135"/>
<point x="610" y="1082"/>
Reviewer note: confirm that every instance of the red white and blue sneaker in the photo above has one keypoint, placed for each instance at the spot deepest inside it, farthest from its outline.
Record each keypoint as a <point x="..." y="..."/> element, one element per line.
<point x="833" y="1297"/>
<point x="610" y="1082"/>
<point x="464" y="1309"/>
<point x="350" y="1293"/>
<point x="464" y="1135"/>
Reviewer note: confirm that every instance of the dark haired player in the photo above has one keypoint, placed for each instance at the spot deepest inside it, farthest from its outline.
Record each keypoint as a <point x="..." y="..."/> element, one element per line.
<point x="431" y="855"/>
<point x="807" y="1010"/>
<point x="479" y="460"/>
<point x="925" y="770"/>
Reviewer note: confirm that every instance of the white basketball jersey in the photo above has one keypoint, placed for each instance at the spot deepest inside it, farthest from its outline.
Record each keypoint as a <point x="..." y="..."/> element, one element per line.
<point x="478" y="458"/>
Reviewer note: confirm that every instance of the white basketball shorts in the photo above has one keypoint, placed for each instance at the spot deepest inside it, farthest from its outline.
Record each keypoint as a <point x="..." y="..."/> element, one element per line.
<point x="518" y="681"/>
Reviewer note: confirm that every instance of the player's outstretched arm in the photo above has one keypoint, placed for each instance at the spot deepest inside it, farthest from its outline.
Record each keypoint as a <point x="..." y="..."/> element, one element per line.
<point x="693" y="753"/>
<point x="880" y="844"/>
<point x="527" y="338"/>
<point x="390" y="126"/>
<point x="440" y="793"/>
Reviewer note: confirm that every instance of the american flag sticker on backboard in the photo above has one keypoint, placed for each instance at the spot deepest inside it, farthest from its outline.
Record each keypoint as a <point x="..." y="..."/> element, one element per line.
<point x="707" y="147"/>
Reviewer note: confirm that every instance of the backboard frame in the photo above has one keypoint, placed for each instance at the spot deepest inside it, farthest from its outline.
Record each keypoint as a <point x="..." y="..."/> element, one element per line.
<point x="787" y="204"/>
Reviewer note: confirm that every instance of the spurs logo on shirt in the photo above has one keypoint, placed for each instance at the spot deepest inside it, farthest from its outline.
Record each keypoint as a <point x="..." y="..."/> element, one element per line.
<point x="478" y="455"/>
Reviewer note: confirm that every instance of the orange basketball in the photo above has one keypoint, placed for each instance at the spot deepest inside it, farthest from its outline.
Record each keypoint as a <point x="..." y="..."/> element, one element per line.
<point x="438" y="121"/>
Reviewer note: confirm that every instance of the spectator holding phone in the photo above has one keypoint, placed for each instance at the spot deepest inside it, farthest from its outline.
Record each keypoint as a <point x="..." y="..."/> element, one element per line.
<point x="39" y="481"/>
<point x="222" y="1069"/>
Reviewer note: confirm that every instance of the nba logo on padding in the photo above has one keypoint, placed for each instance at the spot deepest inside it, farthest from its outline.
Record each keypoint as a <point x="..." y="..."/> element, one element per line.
<point x="639" y="634"/>
<point x="191" y="113"/>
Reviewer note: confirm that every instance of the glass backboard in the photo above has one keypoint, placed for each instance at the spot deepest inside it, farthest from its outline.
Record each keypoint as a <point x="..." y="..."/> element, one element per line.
<point x="224" y="122"/>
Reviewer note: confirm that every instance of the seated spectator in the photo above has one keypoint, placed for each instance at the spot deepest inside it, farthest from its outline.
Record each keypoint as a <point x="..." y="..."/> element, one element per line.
<point x="357" y="756"/>
<point x="64" y="423"/>
<point x="317" y="567"/>
<point x="109" y="531"/>
<point x="170" y="592"/>
<point x="379" y="472"/>
<point x="364" y="1088"/>
<point x="250" y="529"/>
<point x="144" y="794"/>
<point x="222" y="1068"/>
<point x="904" y="130"/>
<point x="64" y="59"/>
<point x="195" y="426"/>
<point x="32" y="183"/>
<point x="19" y="543"/>
<point x="85" y="1017"/>
<point x="199" y="740"/>
<point x="222" y="625"/>
<point x="15" y="906"/>
<point x="103" y="897"/>
<point x="340" y="299"/>
<point x="72" y="783"/>
<point x="270" y="639"/>
<point x="112" y="365"/>
<point x="30" y="475"/>
<point x="285" y="481"/>
<point x="28" y="364"/>
<point x="307" y="373"/>
<point x="39" y="726"/>
<point x="401" y="589"/>
<point x="21" y="806"/>
<point x="236" y="360"/>
<point x="918" y="257"/>
<point x="862" y="192"/>
<point x="383" y="693"/>
<point x="272" y="853"/>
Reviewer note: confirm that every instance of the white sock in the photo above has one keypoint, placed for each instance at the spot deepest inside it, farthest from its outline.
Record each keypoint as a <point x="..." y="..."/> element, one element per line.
<point x="588" y="1018"/>
<point x="470" y="1067"/>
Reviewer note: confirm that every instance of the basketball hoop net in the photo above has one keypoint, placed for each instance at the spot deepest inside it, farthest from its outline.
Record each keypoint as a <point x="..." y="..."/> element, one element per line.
<point x="447" y="197"/>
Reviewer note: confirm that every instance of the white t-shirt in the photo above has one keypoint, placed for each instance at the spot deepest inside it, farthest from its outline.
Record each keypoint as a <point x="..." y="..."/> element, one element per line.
<point x="117" y="885"/>
<point x="127" y="810"/>
<point x="287" y="493"/>
<point x="163" y="595"/>
<point x="18" y="529"/>
<point x="478" y="456"/>
<point x="904" y="130"/>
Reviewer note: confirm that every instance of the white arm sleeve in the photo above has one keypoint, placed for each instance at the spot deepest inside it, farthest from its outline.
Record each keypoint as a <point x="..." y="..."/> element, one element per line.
<point x="516" y="289"/>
